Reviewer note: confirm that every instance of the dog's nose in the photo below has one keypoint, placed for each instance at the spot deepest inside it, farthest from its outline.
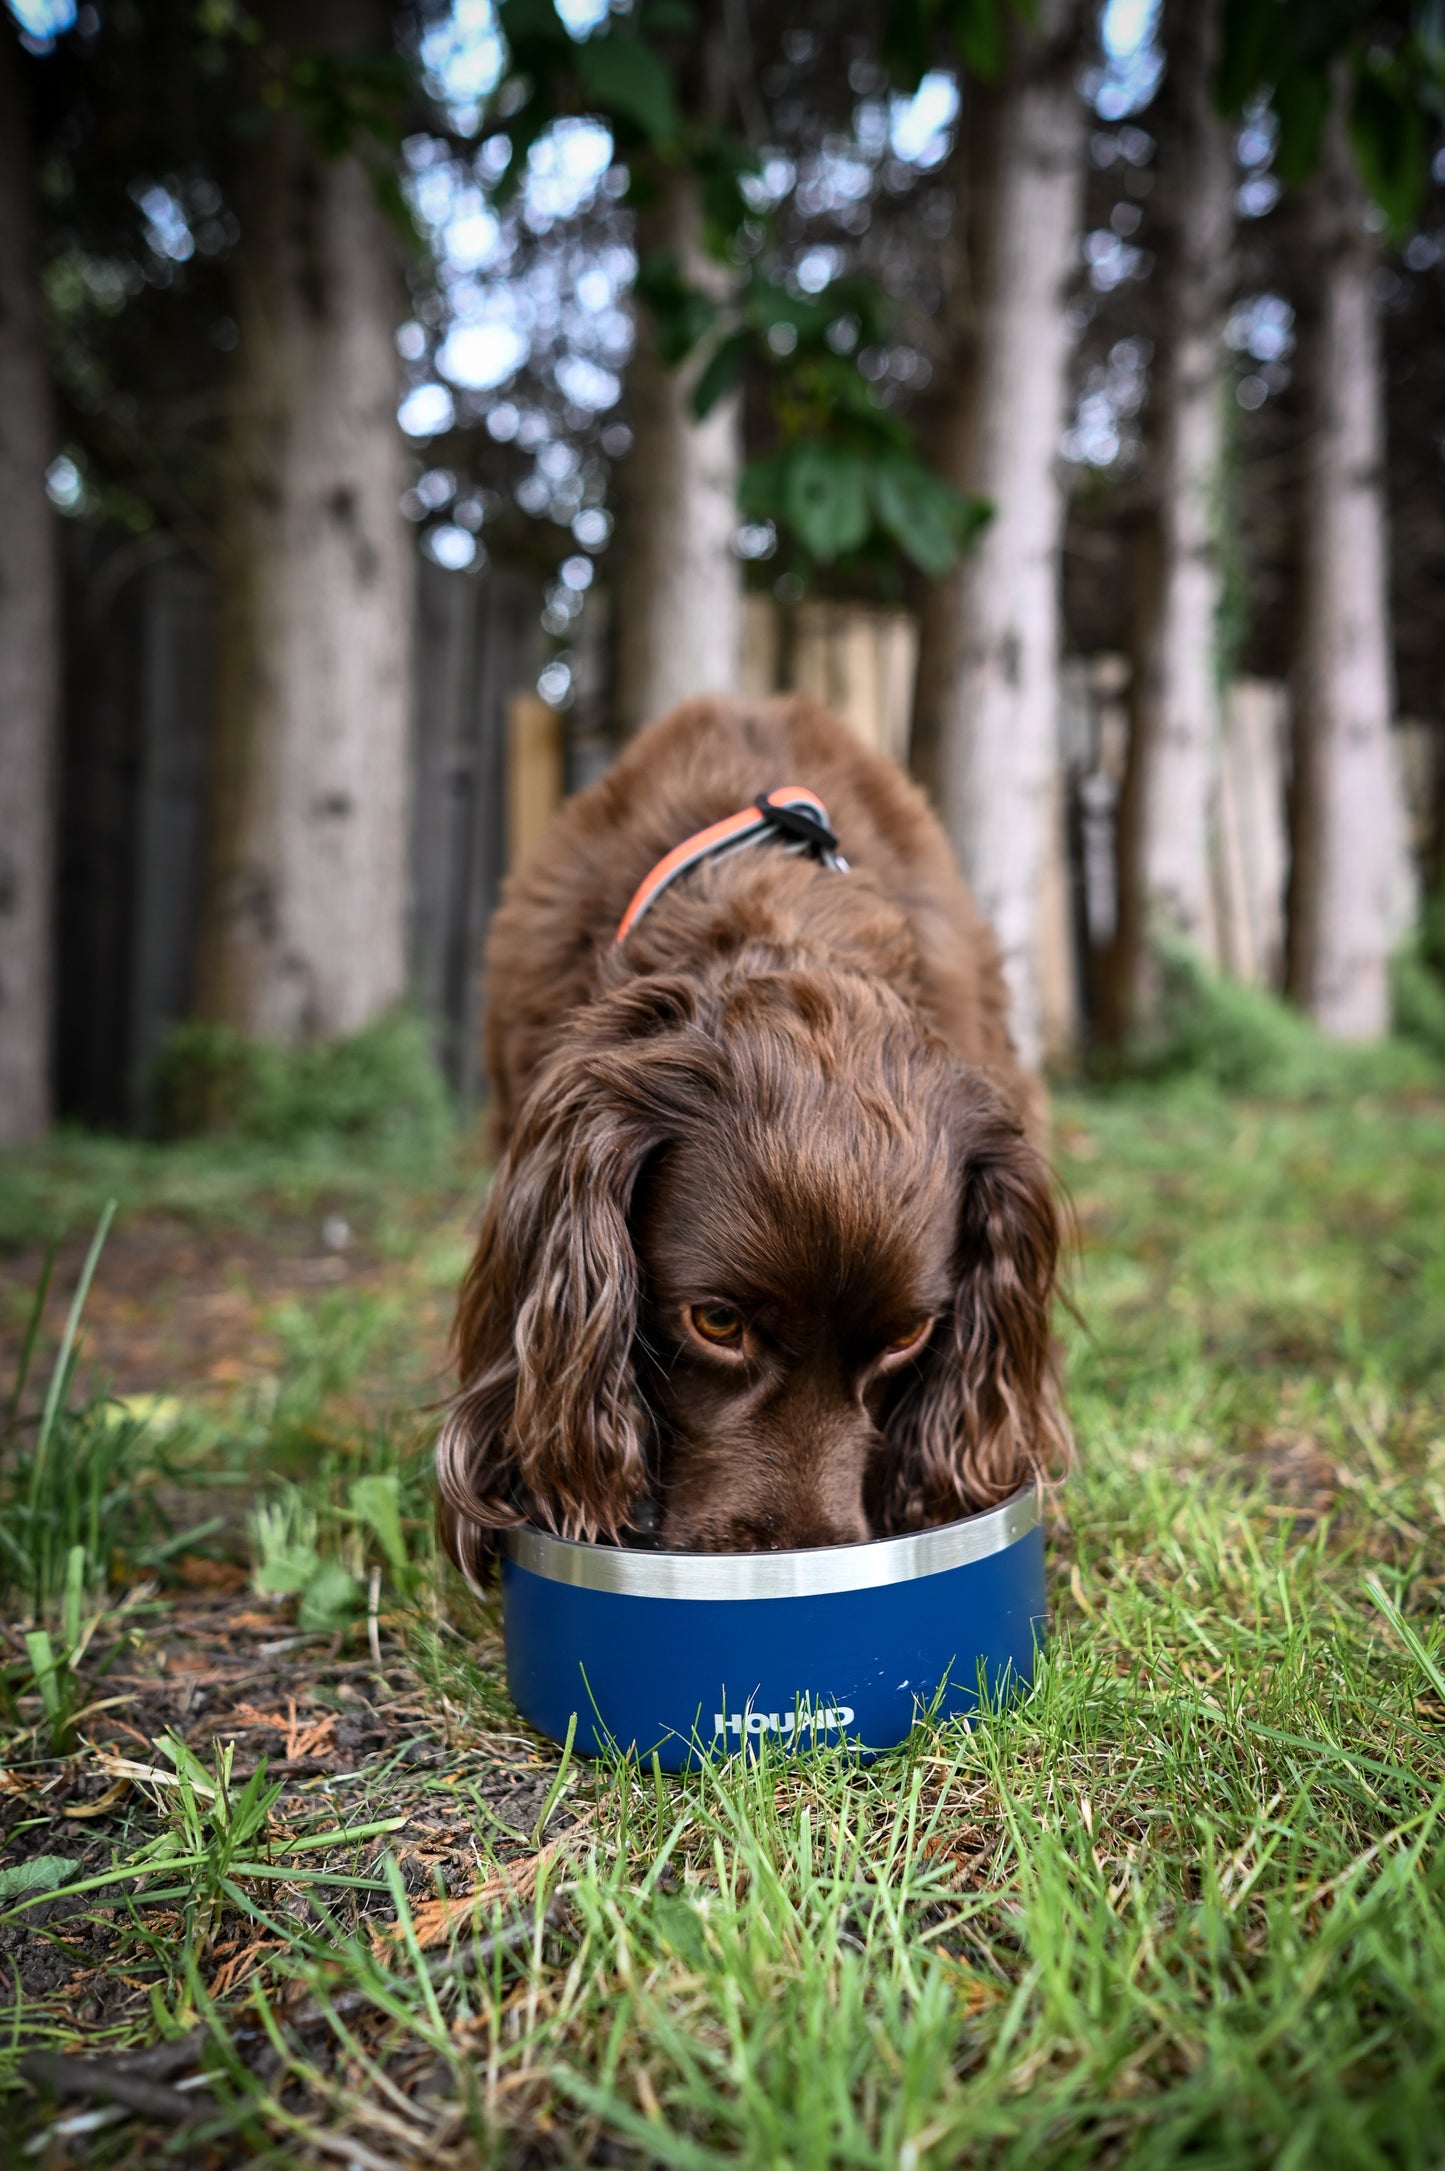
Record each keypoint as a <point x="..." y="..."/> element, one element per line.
<point x="788" y="1534"/>
<point x="825" y="1534"/>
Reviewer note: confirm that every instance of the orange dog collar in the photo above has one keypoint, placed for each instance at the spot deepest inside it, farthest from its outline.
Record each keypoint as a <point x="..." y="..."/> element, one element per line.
<point x="792" y="814"/>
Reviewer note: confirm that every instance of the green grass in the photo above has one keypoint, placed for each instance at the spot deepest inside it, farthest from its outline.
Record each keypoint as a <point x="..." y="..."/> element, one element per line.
<point x="1184" y="1904"/>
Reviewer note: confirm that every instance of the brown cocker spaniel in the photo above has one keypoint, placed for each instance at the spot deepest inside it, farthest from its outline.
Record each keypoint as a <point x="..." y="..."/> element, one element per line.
<point x="769" y="1257"/>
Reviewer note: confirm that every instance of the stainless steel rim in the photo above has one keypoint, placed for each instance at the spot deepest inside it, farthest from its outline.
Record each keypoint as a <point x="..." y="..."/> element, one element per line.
<point x="816" y="1573"/>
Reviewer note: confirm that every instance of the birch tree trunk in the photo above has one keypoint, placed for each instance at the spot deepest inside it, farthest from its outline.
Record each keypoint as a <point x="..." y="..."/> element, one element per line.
<point x="305" y="931"/>
<point x="678" y="597"/>
<point x="986" y="706"/>
<point x="1347" y="820"/>
<point x="1165" y="834"/>
<point x="29" y="664"/>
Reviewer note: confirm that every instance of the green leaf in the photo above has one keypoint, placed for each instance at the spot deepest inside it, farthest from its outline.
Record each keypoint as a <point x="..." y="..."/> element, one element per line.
<point x="283" y="1537"/>
<point x="286" y="1571"/>
<point x="667" y="18"/>
<point x="769" y="304"/>
<point x="376" y="1501"/>
<point x="825" y="498"/>
<point x="980" y="31"/>
<point x="46" y="1667"/>
<point x="529" y="23"/>
<point x="628" y="81"/>
<point x="723" y="372"/>
<point x="681" y="313"/>
<point x="1302" y="105"/>
<point x="42" y="1873"/>
<point x="340" y="1835"/>
<point x="931" y="524"/>
<point x="331" y="1598"/>
<point x="74" y="1594"/>
<point x="1250" y="52"/>
<point x="1387" y="132"/>
<point x="188" y="1765"/>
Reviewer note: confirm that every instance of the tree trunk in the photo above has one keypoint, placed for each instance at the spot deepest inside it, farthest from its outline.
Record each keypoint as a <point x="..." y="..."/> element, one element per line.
<point x="29" y="664"/>
<point x="305" y="934"/>
<point x="679" y="587"/>
<point x="986" y="706"/>
<point x="1347" y="821"/>
<point x="1165" y="833"/>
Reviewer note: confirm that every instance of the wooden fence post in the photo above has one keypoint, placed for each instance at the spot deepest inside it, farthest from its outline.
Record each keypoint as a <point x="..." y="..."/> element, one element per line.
<point x="534" y="772"/>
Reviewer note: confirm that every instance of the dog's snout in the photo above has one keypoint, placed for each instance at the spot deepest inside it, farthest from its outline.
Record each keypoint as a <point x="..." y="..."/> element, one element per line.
<point x="709" y="1527"/>
<point x="786" y="1535"/>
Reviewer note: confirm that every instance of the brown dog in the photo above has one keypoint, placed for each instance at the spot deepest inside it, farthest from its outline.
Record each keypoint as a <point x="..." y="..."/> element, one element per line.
<point x="769" y="1257"/>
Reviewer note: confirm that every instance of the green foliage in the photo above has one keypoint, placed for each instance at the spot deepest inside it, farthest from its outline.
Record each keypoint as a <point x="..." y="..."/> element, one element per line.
<point x="1418" y="983"/>
<point x="290" y="1563"/>
<point x="684" y="317"/>
<point x="817" y="489"/>
<point x="623" y="77"/>
<point x="351" y="102"/>
<point x="42" y="1873"/>
<point x="838" y="501"/>
<point x="976" y="29"/>
<point x="846" y="483"/>
<point x="1390" y="132"/>
<point x="376" y="1504"/>
<point x="379" y="1088"/>
<point x="68" y="1475"/>
<point x="209" y="1828"/>
<point x="1432" y="933"/>
<point x="283" y="1539"/>
<point x="78" y="1495"/>
<point x="1395" y="64"/>
<point x="1239" y="1039"/>
<point x="181" y="97"/>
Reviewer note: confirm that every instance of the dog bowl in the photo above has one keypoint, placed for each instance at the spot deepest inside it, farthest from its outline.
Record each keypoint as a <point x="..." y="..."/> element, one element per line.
<point x="703" y="1654"/>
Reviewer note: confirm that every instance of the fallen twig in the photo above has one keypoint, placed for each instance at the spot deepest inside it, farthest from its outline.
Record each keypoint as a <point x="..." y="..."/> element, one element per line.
<point x="107" y="2080"/>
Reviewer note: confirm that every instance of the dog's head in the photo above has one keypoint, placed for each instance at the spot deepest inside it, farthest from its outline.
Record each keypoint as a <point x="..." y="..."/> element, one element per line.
<point x="762" y="1254"/>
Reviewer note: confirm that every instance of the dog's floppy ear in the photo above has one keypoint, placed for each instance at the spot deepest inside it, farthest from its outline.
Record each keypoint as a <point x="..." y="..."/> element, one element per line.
<point x="548" y="1427"/>
<point x="981" y="1413"/>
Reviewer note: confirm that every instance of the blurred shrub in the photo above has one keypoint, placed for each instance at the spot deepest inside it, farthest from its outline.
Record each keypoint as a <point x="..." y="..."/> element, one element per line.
<point x="379" y="1087"/>
<point x="1432" y="934"/>
<point x="1418" y="983"/>
<point x="1241" y="1040"/>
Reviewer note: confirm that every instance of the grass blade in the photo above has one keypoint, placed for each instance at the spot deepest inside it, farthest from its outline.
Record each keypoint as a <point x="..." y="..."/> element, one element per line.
<point x="41" y="1653"/>
<point x="27" y="1347"/>
<point x="1408" y="1636"/>
<point x="341" y="1837"/>
<point x="61" y="1373"/>
<point x="558" y="1782"/>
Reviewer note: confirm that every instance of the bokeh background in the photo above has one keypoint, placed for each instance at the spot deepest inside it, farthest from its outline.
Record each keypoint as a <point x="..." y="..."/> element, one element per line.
<point x="400" y="406"/>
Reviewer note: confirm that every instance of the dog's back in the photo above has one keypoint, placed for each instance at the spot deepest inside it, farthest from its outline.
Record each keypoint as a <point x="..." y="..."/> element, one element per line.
<point x="552" y="946"/>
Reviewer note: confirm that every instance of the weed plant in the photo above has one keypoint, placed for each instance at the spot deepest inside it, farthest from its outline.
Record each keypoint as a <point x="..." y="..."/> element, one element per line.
<point x="78" y="1490"/>
<point x="378" y="1088"/>
<point x="1231" y="1038"/>
<point x="1419" y="982"/>
<point x="235" y="1124"/>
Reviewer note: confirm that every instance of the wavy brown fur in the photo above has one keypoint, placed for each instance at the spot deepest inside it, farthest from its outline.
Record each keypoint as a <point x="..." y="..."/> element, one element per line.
<point x="790" y="1089"/>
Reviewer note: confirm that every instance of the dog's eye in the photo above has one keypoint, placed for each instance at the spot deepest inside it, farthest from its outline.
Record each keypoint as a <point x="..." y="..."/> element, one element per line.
<point x="719" y="1324"/>
<point x="902" y="1343"/>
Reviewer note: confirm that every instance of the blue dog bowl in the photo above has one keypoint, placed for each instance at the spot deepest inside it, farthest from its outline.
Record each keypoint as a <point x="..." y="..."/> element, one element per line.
<point x="703" y="1654"/>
